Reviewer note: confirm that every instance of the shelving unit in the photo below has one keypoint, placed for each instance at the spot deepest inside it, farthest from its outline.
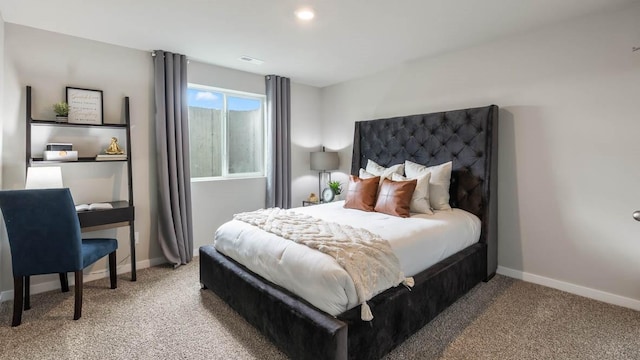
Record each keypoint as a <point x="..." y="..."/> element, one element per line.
<point x="123" y="210"/>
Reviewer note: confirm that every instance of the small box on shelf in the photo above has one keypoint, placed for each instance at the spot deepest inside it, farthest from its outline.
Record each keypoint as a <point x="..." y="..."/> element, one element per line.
<point x="59" y="147"/>
<point x="60" y="155"/>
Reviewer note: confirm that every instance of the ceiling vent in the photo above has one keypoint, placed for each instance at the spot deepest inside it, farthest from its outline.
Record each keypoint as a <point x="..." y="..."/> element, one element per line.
<point x="249" y="59"/>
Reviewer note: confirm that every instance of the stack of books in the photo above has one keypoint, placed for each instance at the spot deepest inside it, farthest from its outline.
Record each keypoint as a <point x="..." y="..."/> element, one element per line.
<point x="108" y="157"/>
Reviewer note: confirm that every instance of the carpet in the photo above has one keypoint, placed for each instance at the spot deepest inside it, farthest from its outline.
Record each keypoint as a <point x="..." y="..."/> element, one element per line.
<point x="165" y="315"/>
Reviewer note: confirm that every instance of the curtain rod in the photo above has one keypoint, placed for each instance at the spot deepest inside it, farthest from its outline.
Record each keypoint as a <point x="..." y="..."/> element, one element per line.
<point x="153" y="54"/>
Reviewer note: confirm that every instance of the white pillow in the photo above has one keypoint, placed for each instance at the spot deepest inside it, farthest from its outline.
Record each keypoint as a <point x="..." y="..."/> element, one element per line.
<point x="438" y="184"/>
<point x="377" y="170"/>
<point x="420" y="198"/>
<point x="364" y="174"/>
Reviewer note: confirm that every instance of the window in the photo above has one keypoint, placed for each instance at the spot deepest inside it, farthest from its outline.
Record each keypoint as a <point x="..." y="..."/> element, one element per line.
<point x="226" y="133"/>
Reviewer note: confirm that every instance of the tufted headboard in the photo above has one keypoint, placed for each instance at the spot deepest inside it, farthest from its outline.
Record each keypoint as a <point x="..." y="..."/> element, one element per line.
<point x="468" y="137"/>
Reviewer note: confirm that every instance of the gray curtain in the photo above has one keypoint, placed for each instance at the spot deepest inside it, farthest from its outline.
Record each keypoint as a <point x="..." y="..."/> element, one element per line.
<point x="175" y="231"/>
<point x="278" y="142"/>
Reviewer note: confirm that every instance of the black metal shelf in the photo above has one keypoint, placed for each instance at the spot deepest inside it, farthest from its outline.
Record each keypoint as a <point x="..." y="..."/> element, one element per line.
<point x="80" y="160"/>
<point x="123" y="211"/>
<point x="57" y="123"/>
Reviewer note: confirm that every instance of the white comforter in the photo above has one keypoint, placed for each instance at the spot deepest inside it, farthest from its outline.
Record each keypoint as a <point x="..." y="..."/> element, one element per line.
<point x="418" y="242"/>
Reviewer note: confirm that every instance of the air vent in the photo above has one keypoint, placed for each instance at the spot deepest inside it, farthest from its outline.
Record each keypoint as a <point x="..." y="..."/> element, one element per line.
<point x="249" y="59"/>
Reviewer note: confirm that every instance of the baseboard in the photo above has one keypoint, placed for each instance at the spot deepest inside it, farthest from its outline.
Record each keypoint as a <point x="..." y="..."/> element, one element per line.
<point x="571" y="288"/>
<point x="94" y="275"/>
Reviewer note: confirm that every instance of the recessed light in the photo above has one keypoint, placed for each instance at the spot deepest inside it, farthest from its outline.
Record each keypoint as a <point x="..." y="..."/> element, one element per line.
<point x="249" y="59"/>
<point x="305" y="14"/>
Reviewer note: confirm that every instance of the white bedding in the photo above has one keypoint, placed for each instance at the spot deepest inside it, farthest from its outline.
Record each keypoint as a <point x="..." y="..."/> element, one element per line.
<point x="418" y="242"/>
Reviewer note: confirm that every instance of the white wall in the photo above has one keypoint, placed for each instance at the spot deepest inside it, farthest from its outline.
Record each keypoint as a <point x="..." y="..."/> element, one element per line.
<point x="568" y="171"/>
<point x="215" y="202"/>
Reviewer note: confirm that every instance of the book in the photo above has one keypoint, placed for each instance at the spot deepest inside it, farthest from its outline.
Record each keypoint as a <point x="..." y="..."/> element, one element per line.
<point x="93" y="206"/>
<point x="107" y="157"/>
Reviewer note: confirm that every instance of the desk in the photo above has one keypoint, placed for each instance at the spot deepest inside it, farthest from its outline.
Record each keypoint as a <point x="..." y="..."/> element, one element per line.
<point x="121" y="212"/>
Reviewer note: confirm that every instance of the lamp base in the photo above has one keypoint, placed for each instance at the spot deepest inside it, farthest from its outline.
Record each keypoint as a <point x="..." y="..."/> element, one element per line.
<point x="324" y="177"/>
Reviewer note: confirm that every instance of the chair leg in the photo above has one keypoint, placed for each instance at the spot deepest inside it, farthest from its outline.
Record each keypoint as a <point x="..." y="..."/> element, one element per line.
<point x="27" y="293"/>
<point x="77" y="311"/>
<point x="112" y="270"/>
<point x="64" y="282"/>
<point x="18" y="293"/>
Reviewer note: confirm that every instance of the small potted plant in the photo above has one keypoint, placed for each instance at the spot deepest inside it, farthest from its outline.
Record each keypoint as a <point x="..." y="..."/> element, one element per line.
<point x="336" y="186"/>
<point x="62" y="111"/>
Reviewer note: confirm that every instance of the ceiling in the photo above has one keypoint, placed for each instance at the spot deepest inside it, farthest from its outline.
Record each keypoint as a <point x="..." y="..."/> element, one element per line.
<point x="347" y="39"/>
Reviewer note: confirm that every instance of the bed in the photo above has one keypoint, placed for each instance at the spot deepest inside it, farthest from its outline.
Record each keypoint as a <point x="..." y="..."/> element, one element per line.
<point x="467" y="137"/>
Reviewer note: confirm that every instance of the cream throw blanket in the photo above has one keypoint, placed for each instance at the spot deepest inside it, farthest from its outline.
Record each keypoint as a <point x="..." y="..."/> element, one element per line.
<point x="366" y="257"/>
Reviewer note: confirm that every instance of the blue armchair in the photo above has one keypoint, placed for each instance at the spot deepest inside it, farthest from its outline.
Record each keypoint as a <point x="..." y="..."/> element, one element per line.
<point x="44" y="237"/>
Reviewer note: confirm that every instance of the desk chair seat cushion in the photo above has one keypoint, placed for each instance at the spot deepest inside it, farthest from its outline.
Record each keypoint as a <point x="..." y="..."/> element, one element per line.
<point x="94" y="249"/>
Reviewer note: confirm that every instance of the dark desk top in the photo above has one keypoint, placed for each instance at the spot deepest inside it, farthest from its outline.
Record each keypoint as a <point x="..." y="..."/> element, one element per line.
<point x="121" y="212"/>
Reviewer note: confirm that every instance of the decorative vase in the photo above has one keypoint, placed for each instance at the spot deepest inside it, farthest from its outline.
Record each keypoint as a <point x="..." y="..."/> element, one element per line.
<point x="61" y="119"/>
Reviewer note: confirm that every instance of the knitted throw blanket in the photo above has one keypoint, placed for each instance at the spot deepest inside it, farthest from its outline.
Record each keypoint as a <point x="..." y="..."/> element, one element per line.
<point x="367" y="258"/>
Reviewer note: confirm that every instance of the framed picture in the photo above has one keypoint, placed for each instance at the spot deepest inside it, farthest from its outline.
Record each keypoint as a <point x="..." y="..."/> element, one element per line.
<point x="85" y="106"/>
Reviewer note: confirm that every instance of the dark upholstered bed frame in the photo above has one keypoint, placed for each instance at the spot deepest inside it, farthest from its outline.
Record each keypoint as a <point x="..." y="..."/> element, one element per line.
<point x="469" y="138"/>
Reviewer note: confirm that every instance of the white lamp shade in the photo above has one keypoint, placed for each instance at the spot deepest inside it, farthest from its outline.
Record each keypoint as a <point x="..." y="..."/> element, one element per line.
<point x="49" y="177"/>
<point x="324" y="160"/>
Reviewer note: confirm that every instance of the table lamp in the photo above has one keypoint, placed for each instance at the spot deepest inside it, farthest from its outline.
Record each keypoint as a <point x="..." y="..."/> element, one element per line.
<point x="322" y="161"/>
<point x="45" y="177"/>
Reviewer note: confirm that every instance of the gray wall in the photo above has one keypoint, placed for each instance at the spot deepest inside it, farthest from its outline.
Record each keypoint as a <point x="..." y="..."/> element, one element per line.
<point x="2" y="79"/>
<point x="568" y="172"/>
<point x="3" y="244"/>
<point x="568" y="138"/>
<point x="216" y="201"/>
<point x="49" y="61"/>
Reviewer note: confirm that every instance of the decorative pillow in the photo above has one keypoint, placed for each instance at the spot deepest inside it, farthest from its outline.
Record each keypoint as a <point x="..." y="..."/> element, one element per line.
<point x="394" y="197"/>
<point x="361" y="193"/>
<point x="438" y="183"/>
<point x="420" y="199"/>
<point x="364" y="174"/>
<point x="373" y="169"/>
<point x="377" y="170"/>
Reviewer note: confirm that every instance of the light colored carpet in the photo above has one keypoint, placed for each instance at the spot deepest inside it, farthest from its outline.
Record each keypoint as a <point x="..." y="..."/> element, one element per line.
<point x="165" y="315"/>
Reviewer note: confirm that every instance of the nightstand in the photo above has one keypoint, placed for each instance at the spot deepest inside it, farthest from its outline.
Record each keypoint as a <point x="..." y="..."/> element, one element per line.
<point x="309" y="203"/>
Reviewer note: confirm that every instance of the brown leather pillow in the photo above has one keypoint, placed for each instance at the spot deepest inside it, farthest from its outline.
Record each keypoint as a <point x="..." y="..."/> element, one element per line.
<point x="361" y="193"/>
<point x="394" y="197"/>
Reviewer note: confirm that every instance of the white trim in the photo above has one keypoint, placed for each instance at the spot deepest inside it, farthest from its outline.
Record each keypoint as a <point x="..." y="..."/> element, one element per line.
<point x="55" y="285"/>
<point x="571" y="288"/>
<point x="245" y="94"/>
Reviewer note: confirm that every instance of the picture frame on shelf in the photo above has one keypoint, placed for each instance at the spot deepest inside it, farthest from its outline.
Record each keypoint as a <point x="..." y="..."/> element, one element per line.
<point x="85" y="106"/>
